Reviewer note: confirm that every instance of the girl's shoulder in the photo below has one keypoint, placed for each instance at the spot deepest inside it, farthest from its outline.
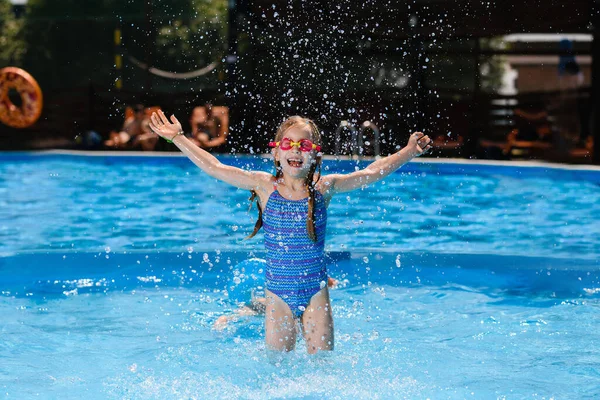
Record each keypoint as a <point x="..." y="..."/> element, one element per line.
<point x="265" y="180"/>
<point x="323" y="185"/>
<point x="266" y="183"/>
<point x="265" y="188"/>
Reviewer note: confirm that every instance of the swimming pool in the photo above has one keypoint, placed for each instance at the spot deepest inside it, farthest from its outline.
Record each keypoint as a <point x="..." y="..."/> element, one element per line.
<point x="459" y="280"/>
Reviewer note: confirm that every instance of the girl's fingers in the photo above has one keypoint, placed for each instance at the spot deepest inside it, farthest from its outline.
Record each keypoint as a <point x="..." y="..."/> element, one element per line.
<point x="154" y="119"/>
<point x="424" y="149"/>
<point x="174" y="119"/>
<point x="429" y="142"/>
<point x="163" y="117"/>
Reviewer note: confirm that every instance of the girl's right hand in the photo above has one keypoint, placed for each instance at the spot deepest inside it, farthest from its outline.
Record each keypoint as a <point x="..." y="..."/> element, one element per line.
<point x="419" y="143"/>
<point x="162" y="127"/>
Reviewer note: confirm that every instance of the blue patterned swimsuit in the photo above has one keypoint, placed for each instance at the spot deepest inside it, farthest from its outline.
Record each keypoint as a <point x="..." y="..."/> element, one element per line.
<point x="295" y="264"/>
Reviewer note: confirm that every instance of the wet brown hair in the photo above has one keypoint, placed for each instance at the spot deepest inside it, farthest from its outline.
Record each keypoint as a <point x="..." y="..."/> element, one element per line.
<point x="310" y="182"/>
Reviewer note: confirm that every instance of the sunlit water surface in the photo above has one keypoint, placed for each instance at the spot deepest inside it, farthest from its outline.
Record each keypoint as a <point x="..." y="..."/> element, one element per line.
<point x="456" y="282"/>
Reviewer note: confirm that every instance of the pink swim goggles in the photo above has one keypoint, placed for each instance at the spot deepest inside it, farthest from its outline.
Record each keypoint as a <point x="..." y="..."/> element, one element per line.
<point x="302" y="144"/>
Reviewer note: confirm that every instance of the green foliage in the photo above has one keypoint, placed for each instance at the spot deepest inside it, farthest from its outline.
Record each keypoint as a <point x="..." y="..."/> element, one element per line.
<point x="71" y="42"/>
<point x="492" y="67"/>
<point x="191" y="43"/>
<point x="12" y="46"/>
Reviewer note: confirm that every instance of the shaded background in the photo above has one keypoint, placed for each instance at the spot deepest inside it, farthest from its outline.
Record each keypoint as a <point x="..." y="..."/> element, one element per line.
<point x="435" y="66"/>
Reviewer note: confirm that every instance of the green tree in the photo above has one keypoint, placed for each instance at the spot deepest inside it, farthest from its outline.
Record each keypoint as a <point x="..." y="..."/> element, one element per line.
<point x="492" y="67"/>
<point x="189" y="35"/>
<point x="196" y="40"/>
<point x="12" y="47"/>
<point x="70" y="43"/>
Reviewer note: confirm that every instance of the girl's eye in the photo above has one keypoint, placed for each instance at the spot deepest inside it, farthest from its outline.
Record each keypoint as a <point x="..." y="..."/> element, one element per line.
<point x="306" y="145"/>
<point x="285" y="144"/>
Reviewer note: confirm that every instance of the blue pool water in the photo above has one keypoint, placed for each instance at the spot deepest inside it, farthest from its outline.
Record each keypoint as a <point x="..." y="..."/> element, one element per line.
<point x="458" y="280"/>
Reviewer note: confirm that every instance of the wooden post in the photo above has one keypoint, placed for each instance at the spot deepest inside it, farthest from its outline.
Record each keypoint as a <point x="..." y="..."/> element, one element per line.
<point x="236" y="93"/>
<point x="417" y="81"/>
<point x="478" y="121"/>
<point x="149" y="46"/>
<point x="118" y="57"/>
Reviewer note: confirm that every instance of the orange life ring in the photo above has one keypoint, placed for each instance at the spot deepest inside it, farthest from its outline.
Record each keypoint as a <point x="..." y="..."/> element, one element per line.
<point x="31" y="98"/>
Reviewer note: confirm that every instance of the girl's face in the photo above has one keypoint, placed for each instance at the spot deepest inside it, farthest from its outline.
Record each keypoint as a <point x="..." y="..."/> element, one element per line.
<point x="294" y="162"/>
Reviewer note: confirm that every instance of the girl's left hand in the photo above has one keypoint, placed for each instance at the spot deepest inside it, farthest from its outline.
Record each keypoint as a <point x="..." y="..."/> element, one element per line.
<point x="419" y="144"/>
<point x="162" y="127"/>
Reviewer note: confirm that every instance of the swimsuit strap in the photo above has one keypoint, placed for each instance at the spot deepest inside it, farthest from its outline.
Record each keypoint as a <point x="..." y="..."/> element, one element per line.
<point x="276" y="190"/>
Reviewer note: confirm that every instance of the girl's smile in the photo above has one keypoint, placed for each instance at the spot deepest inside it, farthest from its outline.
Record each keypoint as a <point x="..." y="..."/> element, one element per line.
<point x="295" y="162"/>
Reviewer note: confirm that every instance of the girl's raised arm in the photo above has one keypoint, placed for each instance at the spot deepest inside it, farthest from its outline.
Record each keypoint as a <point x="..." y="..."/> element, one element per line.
<point x="249" y="180"/>
<point x="418" y="144"/>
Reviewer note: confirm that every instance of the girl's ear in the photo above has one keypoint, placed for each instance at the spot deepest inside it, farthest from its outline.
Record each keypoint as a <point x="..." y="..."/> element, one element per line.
<point x="275" y="153"/>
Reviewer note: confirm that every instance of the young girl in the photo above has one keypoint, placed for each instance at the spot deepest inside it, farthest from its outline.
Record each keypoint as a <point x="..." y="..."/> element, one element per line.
<point x="293" y="211"/>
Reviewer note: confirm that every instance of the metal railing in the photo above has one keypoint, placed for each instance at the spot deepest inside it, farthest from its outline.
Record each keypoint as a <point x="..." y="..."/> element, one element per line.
<point x="338" y="136"/>
<point x="357" y="137"/>
<point x="376" y="137"/>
